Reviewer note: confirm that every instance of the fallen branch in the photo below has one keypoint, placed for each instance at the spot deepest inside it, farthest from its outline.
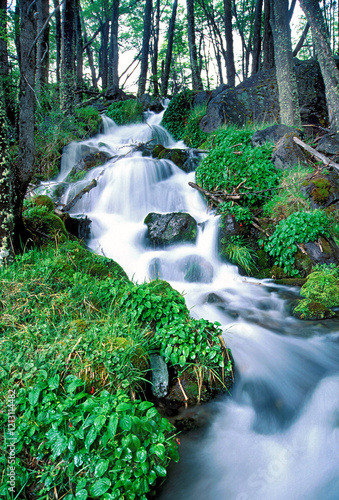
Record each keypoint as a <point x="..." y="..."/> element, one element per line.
<point x="314" y="152"/>
<point x="87" y="189"/>
<point x="216" y="197"/>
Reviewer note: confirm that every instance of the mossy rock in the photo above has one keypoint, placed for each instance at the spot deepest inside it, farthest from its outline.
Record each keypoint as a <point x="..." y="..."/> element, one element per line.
<point x="322" y="191"/>
<point x="322" y="287"/>
<point x="44" y="201"/>
<point x="291" y="281"/>
<point x="303" y="263"/>
<point x="157" y="150"/>
<point x="311" y="310"/>
<point x="46" y="226"/>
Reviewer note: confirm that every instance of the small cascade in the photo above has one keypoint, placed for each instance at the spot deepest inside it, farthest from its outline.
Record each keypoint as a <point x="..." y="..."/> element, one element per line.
<point x="277" y="434"/>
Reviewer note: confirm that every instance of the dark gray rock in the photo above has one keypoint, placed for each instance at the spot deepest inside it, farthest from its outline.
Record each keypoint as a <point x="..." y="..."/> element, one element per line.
<point x="287" y="153"/>
<point x="219" y="89"/>
<point x="329" y="144"/>
<point x="256" y="99"/>
<point x="167" y="229"/>
<point x="201" y="99"/>
<point x="87" y="162"/>
<point x="272" y="134"/>
<point x="79" y="227"/>
<point x="159" y="378"/>
<point x="114" y="94"/>
<point x="326" y="252"/>
<point x="196" y="269"/>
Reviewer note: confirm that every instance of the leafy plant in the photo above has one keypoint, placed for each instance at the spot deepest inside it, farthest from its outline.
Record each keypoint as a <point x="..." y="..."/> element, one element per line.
<point x="241" y="254"/>
<point x="193" y="135"/>
<point x="234" y="162"/>
<point x="177" y="113"/>
<point x="299" y="227"/>
<point x="89" y="445"/>
<point x="125" y="112"/>
<point x="241" y="214"/>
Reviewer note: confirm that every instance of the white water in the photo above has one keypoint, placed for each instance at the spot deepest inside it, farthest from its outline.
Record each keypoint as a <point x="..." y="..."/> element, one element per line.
<point x="277" y="435"/>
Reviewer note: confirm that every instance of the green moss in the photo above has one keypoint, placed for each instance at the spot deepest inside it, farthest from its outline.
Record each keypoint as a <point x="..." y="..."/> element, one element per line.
<point x="311" y="310"/>
<point x="322" y="190"/>
<point x="322" y="287"/>
<point x="176" y="114"/>
<point x="125" y="112"/>
<point x="44" y="201"/>
<point x="157" y="150"/>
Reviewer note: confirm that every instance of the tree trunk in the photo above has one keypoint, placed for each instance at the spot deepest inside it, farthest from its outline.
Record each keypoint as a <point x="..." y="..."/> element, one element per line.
<point x="42" y="55"/>
<point x="170" y="37"/>
<point x="156" y="48"/>
<point x="90" y="58"/>
<point x="79" y="50"/>
<point x="230" y="67"/>
<point x="145" y="47"/>
<point x="196" y="78"/>
<point x="4" y="68"/>
<point x="57" y="39"/>
<point x="328" y="67"/>
<point x="268" y="44"/>
<point x="24" y="167"/>
<point x="286" y="80"/>
<point x="68" y="56"/>
<point x="6" y="191"/>
<point x="257" y="37"/>
<point x="113" y="74"/>
<point x="103" y="54"/>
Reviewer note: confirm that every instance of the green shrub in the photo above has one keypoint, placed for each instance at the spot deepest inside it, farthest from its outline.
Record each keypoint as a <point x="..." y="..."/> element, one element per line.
<point x="300" y="227"/>
<point x="125" y="112"/>
<point x="241" y="214"/>
<point x="322" y="285"/>
<point x="240" y="254"/>
<point x="226" y="166"/>
<point x="87" y="445"/>
<point x="193" y="135"/>
<point x="311" y="310"/>
<point x="177" y="113"/>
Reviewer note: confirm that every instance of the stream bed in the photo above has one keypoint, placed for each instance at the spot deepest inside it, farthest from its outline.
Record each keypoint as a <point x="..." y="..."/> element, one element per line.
<point x="276" y="436"/>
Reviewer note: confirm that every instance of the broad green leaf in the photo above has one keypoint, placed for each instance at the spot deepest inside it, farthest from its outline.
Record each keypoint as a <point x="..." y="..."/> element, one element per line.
<point x="33" y="396"/>
<point x="145" y="405"/>
<point x="152" y="412"/>
<point x="101" y="467"/>
<point x="99" y="422"/>
<point x="123" y="407"/>
<point x="160" y="450"/>
<point x="81" y="495"/>
<point x="90" y="438"/>
<point x="59" y="446"/>
<point x="141" y="455"/>
<point x="100" y="487"/>
<point x="125" y="423"/>
<point x="160" y="470"/>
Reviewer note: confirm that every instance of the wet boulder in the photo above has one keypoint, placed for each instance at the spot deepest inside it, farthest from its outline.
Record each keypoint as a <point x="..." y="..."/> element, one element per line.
<point x="86" y="163"/>
<point x="167" y="229"/>
<point x="159" y="377"/>
<point x="311" y="310"/>
<point x="196" y="269"/>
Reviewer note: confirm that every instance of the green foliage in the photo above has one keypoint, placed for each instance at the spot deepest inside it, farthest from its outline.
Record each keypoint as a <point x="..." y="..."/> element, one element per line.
<point x="300" y="227"/>
<point x="125" y="112"/>
<point x="311" y="310"/>
<point x="234" y="161"/>
<point x="322" y="190"/>
<point x="177" y="113"/>
<point x="195" y="341"/>
<point x="241" y="214"/>
<point x="322" y="285"/>
<point x="193" y="135"/>
<point x="241" y="254"/>
<point x="88" y="445"/>
<point x="288" y="199"/>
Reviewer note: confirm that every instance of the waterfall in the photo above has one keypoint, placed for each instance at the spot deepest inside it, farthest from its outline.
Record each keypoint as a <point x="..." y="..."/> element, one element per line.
<point x="276" y="435"/>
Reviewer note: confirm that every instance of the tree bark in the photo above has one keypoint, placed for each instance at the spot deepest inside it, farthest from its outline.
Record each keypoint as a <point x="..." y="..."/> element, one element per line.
<point x="79" y="50"/>
<point x="42" y="55"/>
<point x="302" y="39"/>
<point x="103" y="54"/>
<point x="68" y="56"/>
<point x="328" y="67"/>
<point x="57" y="39"/>
<point x="196" y="78"/>
<point x="257" y="37"/>
<point x="24" y="167"/>
<point x="286" y="80"/>
<point x="170" y="37"/>
<point x="90" y="58"/>
<point x="6" y="191"/>
<point x="268" y="44"/>
<point x="145" y="47"/>
<point x="4" y="67"/>
<point x="230" y="67"/>
<point x="156" y="28"/>
<point x="113" y="74"/>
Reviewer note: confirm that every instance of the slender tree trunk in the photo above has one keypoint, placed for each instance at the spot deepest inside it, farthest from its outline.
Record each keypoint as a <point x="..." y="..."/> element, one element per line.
<point x="286" y="80"/>
<point x="196" y="78"/>
<point x="328" y="67"/>
<point x="42" y="56"/>
<point x="230" y="66"/>
<point x="4" y="67"/>
<point x="79" y="50"/>
<point x="24" y="167"/>
<point x="145" y="47"/>
<point x="156" y="48"/>
<point x="103" y="54"/>
<point x="6" y="189"/>
<point x="302" y="39"/>
<point x="68" y="56"/>
<point x="257" y="37"/>
<point x="268" y="44"/>
<point x="170" y="37"/>
<point x="90" y="58"/>
<point x="113" y="74"/>
<point x="57" y="39"/>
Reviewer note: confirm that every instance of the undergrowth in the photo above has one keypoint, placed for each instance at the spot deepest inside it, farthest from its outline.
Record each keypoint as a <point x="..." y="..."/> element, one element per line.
<point x="125" y="112"/>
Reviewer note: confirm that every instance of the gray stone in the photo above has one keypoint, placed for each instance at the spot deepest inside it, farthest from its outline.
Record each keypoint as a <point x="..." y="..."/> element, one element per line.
<point x="201" y="99"/>
<point x="166" y="229"/>
<point x="272" y="134"/>
<point x="287" y="153"/>
<point x="159" y="378"/>
<point x="196" y="269"/>
<point x="329" y="144"/>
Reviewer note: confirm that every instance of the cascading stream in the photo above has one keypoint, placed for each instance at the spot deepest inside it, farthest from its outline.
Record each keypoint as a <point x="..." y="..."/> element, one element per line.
<point x="277" y="435"/>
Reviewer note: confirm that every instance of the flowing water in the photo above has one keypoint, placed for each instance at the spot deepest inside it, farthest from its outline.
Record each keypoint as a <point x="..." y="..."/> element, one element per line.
<point x="277" y="435"/>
